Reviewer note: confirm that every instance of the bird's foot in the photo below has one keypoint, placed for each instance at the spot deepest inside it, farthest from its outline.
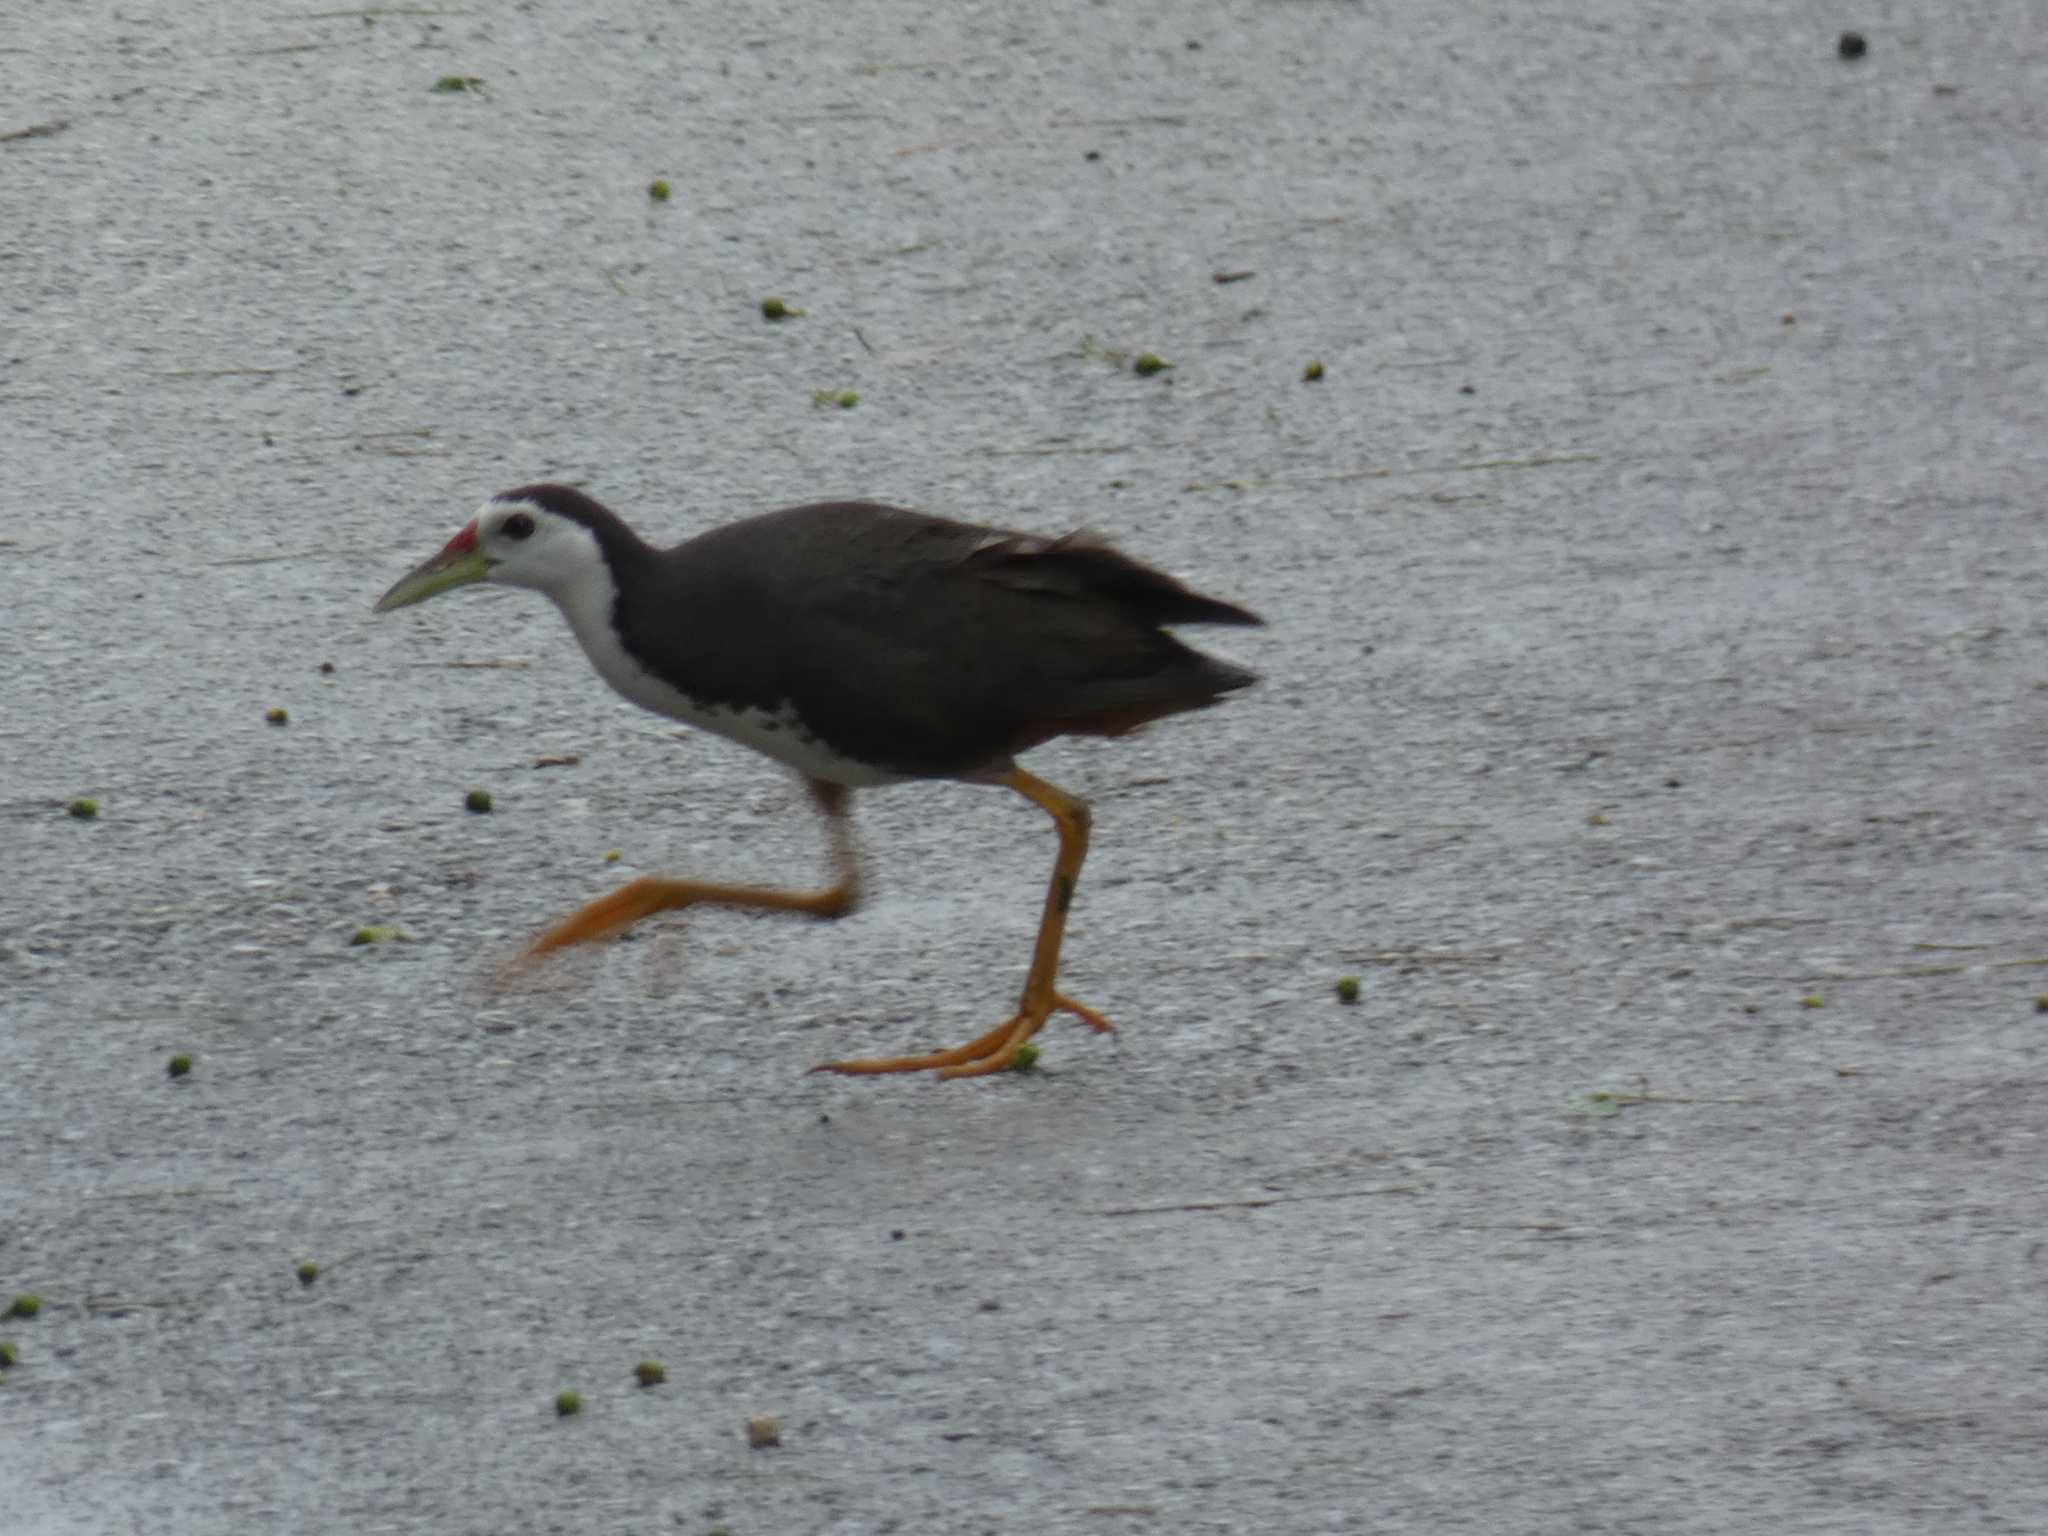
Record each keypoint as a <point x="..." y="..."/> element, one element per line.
<point x="995" y="1051"/>
<point x="608" y="916"/>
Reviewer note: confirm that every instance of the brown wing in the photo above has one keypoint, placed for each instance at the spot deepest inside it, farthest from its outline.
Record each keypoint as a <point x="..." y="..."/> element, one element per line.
<point x="1084" y="564"/>
<point x="940" y="649"/>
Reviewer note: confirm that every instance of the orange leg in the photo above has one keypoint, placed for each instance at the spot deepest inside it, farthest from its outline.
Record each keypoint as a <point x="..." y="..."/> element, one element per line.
<point x="996" y="1050"/>
<point x="609" y="916"/>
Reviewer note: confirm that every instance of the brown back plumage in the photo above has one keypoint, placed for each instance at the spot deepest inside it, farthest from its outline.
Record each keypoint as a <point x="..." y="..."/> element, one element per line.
<point x="932" y="648"/>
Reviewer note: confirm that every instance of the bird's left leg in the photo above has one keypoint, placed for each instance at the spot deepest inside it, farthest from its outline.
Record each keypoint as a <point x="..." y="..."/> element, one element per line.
<point x="609" y="916"/>
<point x="997" y="1049"/>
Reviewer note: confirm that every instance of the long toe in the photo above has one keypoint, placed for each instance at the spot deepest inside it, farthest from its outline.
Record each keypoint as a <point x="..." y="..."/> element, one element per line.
<point x="930" y="1061"/>
<point x="1004" y="1056"/>
<point x="1084" y="1013"/>
<point x="995" y="1051"/>
<point x="605" y="918"/>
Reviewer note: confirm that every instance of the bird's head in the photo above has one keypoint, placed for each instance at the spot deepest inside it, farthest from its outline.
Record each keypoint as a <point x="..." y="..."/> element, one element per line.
<point x="539" y="537"/>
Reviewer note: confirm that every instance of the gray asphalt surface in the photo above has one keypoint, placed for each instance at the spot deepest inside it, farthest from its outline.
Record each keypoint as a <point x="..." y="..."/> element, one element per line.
<point x="1656" y="647"/>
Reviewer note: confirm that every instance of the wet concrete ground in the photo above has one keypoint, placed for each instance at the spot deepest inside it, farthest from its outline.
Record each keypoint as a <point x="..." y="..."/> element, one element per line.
<point x="1653" y="723"/>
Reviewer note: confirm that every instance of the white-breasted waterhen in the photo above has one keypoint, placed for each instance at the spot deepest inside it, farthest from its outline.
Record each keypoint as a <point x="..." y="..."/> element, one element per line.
<point x="861" y="645"/>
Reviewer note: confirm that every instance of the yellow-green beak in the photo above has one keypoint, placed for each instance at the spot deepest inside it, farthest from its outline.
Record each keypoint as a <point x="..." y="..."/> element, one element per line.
<point x="461" y="564"/>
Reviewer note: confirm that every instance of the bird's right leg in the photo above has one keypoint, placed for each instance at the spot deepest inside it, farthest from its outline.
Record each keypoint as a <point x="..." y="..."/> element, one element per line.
<point x="609" y="916"/>
<point x="997" y="1050"/>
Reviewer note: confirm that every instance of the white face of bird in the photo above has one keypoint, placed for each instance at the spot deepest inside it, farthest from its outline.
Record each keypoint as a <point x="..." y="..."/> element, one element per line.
<point x="511" y="542"/>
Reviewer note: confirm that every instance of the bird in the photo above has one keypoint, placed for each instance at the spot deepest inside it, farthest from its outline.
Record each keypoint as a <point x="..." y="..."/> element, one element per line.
<point x="860" y="645"/>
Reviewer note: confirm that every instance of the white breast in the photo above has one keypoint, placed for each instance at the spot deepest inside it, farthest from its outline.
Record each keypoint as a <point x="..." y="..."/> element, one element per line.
<point x="586" y="603"/>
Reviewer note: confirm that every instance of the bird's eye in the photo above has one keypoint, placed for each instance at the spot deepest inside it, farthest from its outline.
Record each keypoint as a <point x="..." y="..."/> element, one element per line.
<point x="518" y="526"/>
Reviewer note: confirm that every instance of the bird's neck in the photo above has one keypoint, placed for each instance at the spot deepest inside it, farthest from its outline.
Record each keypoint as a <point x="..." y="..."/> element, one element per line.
<point x="588" y="600"/>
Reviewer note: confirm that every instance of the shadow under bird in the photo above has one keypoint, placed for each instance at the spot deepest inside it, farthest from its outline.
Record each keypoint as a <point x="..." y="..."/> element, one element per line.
<point x="860" y="645"/>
